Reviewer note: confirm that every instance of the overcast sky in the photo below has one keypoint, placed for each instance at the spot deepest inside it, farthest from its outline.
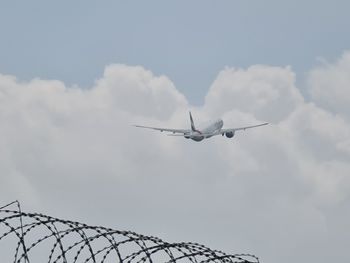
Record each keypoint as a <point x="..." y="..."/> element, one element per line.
<point x="74" y="76"/>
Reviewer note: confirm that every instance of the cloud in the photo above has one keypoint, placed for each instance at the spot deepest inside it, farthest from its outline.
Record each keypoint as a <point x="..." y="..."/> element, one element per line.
<point x="278" y="191"/>
<point x="259" y="90"/>
<point x="329" y="85"/>
<point x="138" y="91"/>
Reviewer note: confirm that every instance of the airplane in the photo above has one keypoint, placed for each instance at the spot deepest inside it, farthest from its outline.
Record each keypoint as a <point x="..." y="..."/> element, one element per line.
<point x="213" y="129"/>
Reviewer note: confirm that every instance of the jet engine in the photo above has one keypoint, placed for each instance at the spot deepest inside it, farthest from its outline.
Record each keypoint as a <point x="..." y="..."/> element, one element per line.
<point x="230" y="134"/>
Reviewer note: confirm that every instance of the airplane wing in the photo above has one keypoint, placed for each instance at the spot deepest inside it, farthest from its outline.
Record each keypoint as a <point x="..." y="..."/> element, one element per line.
<point x="222" y="131"/>
<point x="183" y="131"/>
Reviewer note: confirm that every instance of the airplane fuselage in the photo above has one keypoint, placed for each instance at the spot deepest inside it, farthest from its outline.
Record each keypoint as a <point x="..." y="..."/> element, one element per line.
<point x="199" y="135"/>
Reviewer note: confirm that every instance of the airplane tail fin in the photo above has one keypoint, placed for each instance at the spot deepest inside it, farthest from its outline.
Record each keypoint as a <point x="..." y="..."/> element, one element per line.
<point x="193" y="128"/>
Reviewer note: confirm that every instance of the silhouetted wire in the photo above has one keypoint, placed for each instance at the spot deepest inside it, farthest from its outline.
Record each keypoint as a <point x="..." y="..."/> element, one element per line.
<point x="73" y="242"/>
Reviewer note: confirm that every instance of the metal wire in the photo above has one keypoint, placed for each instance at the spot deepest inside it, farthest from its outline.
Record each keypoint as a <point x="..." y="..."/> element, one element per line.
<point x="35" y="237"/>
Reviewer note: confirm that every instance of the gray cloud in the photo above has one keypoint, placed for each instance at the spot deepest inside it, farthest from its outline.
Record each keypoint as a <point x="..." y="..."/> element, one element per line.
<point x="279" y="191"/>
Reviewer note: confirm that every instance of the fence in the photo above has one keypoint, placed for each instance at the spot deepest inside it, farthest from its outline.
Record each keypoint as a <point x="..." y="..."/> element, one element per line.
<point x="34" y="237"/>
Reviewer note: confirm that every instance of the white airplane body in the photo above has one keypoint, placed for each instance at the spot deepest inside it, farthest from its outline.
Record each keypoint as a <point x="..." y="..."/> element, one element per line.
<point x="214" y="128"/>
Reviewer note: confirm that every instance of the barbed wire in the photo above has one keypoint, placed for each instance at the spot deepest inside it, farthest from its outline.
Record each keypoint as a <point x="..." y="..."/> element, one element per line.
<point x="35" y="237"/>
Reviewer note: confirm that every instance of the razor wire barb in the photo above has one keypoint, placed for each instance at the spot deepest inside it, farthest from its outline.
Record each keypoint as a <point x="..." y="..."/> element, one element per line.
<point x="34" y="237"/>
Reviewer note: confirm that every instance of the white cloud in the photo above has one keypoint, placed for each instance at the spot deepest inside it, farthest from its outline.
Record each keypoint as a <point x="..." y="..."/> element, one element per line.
<point x="266" y="92"/>
<point x="329" y="85"/>
<point x="272" y="191"/>
<point x="136" y="90"/>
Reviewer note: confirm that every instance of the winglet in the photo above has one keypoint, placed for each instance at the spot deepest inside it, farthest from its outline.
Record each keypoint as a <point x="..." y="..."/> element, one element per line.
<point x="193" y="128"/>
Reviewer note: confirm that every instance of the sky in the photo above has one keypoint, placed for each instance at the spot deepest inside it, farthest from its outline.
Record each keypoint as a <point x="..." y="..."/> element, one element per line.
<point x="188" y="41"/>
<point x="74" y="77"/>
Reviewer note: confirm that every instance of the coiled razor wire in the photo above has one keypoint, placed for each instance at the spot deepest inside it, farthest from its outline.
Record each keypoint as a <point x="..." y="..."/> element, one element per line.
<point x="34" y="237"/>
